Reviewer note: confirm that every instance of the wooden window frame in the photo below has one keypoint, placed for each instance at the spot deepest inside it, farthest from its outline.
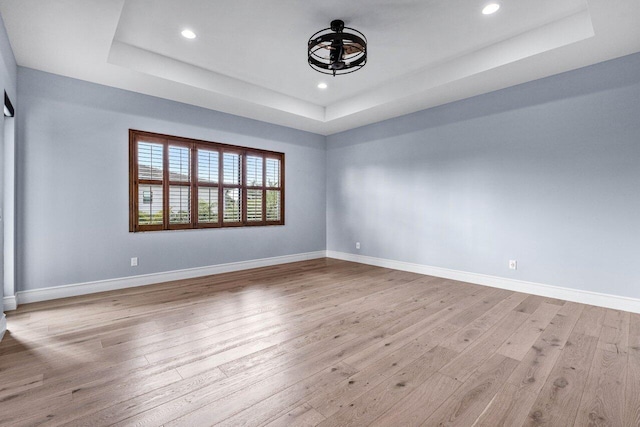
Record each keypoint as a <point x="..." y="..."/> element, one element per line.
<point x="193" y="144"/>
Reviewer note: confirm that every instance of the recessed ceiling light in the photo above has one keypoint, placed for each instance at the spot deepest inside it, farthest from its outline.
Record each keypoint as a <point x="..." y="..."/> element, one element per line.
<point x="490" y="8"/>
<point x="322" y="86"/>
<point x="188" y="34"/>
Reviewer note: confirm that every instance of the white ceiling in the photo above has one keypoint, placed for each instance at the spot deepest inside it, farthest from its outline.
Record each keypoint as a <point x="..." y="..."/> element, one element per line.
<point x="249" y="57"/>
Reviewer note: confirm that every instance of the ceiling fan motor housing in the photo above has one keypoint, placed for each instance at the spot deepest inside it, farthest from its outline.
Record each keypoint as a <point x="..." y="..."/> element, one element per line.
<point x="334" y="51"/>
<point x="337" y="25"/>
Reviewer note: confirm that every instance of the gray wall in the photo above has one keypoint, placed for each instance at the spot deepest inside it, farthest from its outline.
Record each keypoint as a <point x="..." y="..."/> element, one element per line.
<point x="73" y="185"/>
<point x="547" y="173"/>
<point x="8" y="72"/>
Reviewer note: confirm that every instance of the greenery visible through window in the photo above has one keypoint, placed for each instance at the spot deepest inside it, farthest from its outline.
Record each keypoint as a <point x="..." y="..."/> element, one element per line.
<point x="172" y="178"/>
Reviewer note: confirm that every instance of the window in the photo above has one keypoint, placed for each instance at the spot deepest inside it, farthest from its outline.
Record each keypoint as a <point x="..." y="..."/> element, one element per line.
<point x="177" y="183"/>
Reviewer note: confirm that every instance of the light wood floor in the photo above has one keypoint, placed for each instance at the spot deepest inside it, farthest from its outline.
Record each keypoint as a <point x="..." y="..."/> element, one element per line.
<point x="322" y="342"/>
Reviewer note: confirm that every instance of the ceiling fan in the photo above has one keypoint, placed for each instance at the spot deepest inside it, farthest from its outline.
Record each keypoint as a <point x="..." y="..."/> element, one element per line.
<point x="336" y="51"/>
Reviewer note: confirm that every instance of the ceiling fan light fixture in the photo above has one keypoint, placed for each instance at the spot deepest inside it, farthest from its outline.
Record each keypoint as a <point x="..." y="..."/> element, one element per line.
<point x="337" y="49"/>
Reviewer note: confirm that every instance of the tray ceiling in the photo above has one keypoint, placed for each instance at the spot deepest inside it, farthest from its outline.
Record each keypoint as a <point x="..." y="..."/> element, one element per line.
<point x="249" y="56"/>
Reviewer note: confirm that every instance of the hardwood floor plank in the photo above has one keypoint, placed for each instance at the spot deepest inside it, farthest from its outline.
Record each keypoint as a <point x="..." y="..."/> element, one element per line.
<point x="302" y="416"/>
<point x="215" y="412"/>
<point x="468" y="402"/>
<point x="368" y="406"/>
<point x="416" y="343"/>
<point x="480" y="308"/>
<point x="417" y="406"/>
<point x="536" y="366"/>
<point x="591" y="321"/>
<point x="558" y="401"/>
<point x="335" y="398"/>
<point x="468" y="334"/>
<point x="632" y="388"/>
<point x="330" y="334"/>
<point x="509" y="407"/>
<point x="614" y="335"/>
<point x="64" y="381"/>
<point x="320" y="342"/>
<point x="271" y="381"/>
<point x="603" y="398"/>
<point x="277" y="404"/>
<point x="434" y="325"/>
<point x="84" y="399"/>
<point x="288" y="353"/>
<point x="530" y="304"/>
<point x="463" y="366"/>
<point x="113" y="412"/>
<point x="519" y="343"/>
<point x="17" y="387"/>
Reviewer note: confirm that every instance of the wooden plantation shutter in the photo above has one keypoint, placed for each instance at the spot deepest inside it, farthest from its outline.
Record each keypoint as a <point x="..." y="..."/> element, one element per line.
<point x="255" y="189"/>
<point x="208" y="187"/>
<point x="180" y="183"/>
<point x="232" y="187"/>
<point x="178" y="176"/>
<point x="274" y="193"/>
<point x="148" y="195"/>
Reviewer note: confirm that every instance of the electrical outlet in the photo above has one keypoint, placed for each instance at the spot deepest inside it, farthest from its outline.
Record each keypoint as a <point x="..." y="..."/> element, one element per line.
<point x="357" y="245"/>
<point x="134" y="261"/>
<point x="513" y="264"/>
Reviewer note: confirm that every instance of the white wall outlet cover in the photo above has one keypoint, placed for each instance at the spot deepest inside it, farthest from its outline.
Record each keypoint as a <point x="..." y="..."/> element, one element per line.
<point x="134" y="262"/>
<point x="513" y="264"/>
<point x="357" y="245"/>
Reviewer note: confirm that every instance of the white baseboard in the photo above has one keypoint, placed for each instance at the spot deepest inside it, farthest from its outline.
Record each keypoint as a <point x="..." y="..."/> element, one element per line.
<point x="568" y="294"/>
<point x="575" y="295"/>
<point x="9" y="303"/>
<point x="65" y="291"/>
<point x="3" y="325"/>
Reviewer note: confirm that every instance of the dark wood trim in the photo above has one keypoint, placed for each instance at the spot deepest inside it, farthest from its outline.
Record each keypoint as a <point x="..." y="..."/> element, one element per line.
<point x="243" y="190"/>
<point x="179" y="142"/>
<point x="194" y="186"/>
<point x="133" y="183"/>
<point x="220" y="189"/>
<point x="152" y="227"/>
<point x="209" y="144"/>
<point x="193" y="144"/>
<point x="264" y="190"/>
<point x="281" y="182"/>
<point x="165" y="188"/>
<point x="180" y="226"/>
<point x="208" y="225"/>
